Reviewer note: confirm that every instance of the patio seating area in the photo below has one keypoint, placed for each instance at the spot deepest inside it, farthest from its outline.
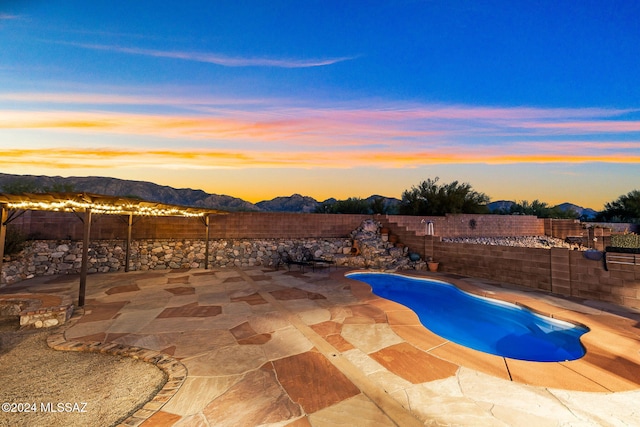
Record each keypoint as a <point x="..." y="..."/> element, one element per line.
<point x="306" y="348"/>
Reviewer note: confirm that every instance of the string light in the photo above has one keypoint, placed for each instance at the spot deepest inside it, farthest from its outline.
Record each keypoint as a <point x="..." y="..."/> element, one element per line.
<point x="99" y="204"/>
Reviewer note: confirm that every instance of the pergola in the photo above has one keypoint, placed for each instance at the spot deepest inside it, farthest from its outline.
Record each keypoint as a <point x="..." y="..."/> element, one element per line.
<point x="84" y="205"/>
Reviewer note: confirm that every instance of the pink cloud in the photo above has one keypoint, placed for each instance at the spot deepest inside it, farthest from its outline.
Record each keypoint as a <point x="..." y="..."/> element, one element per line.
<point x="587" y="126"/>
<point x="272" y="132"/>
<point x="211" y="159"/>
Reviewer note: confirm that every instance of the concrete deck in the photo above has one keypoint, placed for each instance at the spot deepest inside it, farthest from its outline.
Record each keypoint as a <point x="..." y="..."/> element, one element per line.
<point x="280" y="348"/>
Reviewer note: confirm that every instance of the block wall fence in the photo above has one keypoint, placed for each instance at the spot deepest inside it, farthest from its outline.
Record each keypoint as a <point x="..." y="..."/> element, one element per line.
<point x="561" y="271"/>
<point x="464" y="225"/>
<point x="241" y="225"/>
<point x="258" y="225"/>
<point x="558" y="270"/>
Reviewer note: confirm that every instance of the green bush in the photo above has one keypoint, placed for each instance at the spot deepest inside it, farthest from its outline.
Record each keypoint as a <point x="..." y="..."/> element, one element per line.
<point x="14" y="241"/>
<point x="625" y="209"/>
<point x="625" y="240"/>
<point x="431" y="198"/>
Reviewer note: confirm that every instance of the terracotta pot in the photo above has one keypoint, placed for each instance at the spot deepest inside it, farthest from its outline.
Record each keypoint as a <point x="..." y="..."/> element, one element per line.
<point x="433" y="266"/>
<point x="384" y="230"/>
<point x="393" y="238"/>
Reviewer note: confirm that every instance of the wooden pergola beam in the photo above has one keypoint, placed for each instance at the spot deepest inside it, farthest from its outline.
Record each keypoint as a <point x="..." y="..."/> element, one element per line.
<point x="100" y="204"/>
<point x="127" y="254"/>
<point x="4" y="217"/>
<point x="85" y="256"/>
<point x="206" y="243"/>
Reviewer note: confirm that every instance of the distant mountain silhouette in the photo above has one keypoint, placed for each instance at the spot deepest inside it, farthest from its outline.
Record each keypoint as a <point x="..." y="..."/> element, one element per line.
<point x="128" y="188"/>
<point x="390" y="203"/>
<point x="198" y="198"/>
<point x="500" y="205"/>
<point x="293" y="203"/>
<point x="586" y="213"/>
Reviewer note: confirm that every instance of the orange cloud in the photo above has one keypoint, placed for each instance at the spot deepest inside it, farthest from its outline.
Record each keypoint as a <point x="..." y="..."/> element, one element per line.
<point x="275" y="135"/>
<point x="302" y="131"/>
<point x="203" y="159"/>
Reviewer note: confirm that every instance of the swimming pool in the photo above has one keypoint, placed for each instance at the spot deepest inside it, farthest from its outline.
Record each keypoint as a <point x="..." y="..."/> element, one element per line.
<point x="484" y="324"/>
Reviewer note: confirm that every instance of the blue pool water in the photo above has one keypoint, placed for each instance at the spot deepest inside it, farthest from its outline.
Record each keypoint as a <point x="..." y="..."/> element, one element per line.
<point x="483" y="324"/>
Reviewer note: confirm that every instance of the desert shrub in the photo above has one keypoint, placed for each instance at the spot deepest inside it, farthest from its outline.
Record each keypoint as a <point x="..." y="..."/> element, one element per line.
<point x="14" y="241"/>
<point x="625" y="240"/>
<point x="431" y="198"/>
<point x="625" y="208"/>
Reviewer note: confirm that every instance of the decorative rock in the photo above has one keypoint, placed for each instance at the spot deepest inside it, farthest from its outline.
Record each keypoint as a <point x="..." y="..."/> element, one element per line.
<point x="50" y="322"/>
<point x="108" y="256"/>
<point x="544" y="242"/>
<point x="369" y="226"/>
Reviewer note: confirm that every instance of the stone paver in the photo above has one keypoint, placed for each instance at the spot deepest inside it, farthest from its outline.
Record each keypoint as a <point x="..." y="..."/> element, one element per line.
<point x="242" y="405"/>
<point x="357" y="411"/>
<point x="260" y="347"/>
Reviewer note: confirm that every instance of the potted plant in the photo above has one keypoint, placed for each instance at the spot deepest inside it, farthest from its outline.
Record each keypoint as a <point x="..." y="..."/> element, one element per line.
<point x="432" y="265"/>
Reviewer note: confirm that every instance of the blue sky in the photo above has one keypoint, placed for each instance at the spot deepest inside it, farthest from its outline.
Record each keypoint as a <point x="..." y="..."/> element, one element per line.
<point x="524" y="100"/>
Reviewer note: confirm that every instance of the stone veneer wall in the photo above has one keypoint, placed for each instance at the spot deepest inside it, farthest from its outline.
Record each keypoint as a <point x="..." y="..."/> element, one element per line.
<point x="557" y="270"/>
<point x="50" y="257"/>
<point x="36" y="310"/>
<point x="245" y="239"/>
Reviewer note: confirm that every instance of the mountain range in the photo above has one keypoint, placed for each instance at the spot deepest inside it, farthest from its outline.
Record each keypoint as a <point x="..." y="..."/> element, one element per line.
<point x="197" y="198"/>
<point x="585" y="213"/>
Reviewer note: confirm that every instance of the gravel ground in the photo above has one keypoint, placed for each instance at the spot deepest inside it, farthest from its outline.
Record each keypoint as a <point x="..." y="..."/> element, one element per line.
<point x="94" y="389"/>
<point x="544" y="242"/>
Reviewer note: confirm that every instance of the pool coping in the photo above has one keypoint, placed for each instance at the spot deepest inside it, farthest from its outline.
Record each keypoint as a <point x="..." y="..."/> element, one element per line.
<point x="612" y="343"/>
<point x="374" y="342"/>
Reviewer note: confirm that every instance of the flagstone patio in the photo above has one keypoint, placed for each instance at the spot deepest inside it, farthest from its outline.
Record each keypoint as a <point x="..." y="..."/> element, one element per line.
<point x="287" y="348"/>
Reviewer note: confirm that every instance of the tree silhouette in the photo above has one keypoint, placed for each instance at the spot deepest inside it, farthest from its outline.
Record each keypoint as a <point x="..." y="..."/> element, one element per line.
<point x="431" y="198"/>
<point x="625" y="208"/>
<point x="541" y="210"/>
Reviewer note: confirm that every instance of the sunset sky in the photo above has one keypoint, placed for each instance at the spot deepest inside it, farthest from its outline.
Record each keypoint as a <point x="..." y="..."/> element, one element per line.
<point x="256" y="99"/>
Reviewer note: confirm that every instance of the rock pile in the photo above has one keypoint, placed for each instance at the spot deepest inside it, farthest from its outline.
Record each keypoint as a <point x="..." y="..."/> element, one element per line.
<point x="46" y="257"/>
<point x="374" y="252"/>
